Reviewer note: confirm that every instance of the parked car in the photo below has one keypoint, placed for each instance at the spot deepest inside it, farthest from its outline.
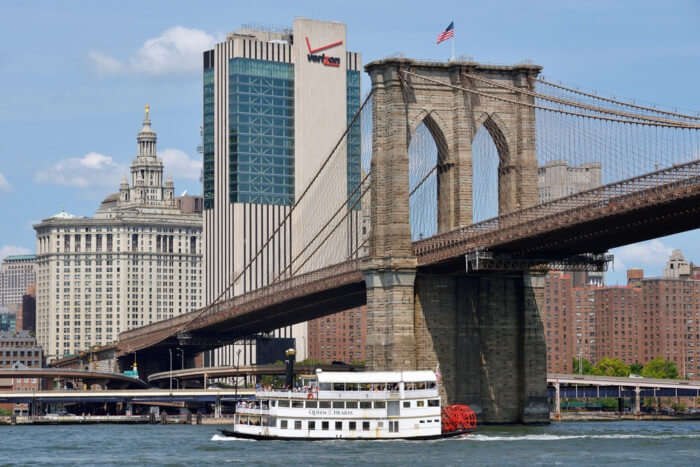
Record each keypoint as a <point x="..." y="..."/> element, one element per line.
<point x="636" y="376"/>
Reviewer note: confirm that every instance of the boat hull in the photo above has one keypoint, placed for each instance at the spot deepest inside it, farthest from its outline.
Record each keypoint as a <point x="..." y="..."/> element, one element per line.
<point x="234" y="434"/>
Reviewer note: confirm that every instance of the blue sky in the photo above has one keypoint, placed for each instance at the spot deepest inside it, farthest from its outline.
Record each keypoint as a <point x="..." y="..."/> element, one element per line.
<point x="74" y="76"/>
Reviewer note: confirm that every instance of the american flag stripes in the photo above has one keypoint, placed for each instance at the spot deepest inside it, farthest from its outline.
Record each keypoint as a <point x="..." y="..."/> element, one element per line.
<point x="447" y="33"/>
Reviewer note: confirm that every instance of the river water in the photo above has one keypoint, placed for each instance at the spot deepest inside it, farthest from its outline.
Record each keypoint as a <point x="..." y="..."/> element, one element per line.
<point x="621" y="443"/>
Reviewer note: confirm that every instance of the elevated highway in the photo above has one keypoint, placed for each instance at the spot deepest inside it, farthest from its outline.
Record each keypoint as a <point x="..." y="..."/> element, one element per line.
<point x="132" y="395"/>
<point x="205" y="374"/>
<point x="86" y="376"/>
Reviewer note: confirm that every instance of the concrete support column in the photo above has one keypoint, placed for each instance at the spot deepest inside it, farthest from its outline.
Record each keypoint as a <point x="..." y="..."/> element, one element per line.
<point x="535" y="406"/>
<point x="557" y="401"/>
<point x="637" y="400"/>
<point x="391" y="340"/>
<point x="217" y="407"/>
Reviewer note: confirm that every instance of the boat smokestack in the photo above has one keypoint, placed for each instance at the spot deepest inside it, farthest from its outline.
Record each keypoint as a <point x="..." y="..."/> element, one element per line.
<point x="290" y="357"/>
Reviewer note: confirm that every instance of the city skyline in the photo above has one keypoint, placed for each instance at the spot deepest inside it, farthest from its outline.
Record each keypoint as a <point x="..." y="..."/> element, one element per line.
<point x="103" y="70"/>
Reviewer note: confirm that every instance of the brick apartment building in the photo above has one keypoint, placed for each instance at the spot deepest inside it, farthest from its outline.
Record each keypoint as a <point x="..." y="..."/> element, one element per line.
<point x="20" y="350"/>
<point x="635" y="323"/>
<point x="339" y="337"/>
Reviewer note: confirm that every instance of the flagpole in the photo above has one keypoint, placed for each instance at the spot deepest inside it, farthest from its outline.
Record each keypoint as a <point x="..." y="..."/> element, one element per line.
<point x="453" y="44"/>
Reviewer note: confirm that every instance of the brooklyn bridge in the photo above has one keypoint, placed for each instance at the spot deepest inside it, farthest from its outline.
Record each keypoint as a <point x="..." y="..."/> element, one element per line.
<point x="452" y="265"/>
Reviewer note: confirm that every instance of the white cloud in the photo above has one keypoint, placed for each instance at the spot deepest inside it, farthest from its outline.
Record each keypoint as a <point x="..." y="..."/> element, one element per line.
<point x="91" y="170"/>
<point x="104" y="65"/>
<point x="652" y="253"/>
<point x="4" y="184"/>
<point x="178" y="164"/>
<point x="9" y="250"/>
<point x="176" y="50"/>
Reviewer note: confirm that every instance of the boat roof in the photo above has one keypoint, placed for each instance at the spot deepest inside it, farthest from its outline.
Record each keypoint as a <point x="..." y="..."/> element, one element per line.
<point x="374" y="376"/>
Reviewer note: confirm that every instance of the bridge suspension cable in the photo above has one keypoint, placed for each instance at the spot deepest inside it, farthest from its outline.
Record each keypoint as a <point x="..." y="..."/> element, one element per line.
<point x="570" y="103"/>
<point x="617" y="102"/>
<point x="540" y="107"/>
<point x="287" y="217"/>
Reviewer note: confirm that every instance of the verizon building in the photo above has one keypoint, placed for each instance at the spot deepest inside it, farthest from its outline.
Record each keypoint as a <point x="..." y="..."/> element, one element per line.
<point x="276" y="101"/>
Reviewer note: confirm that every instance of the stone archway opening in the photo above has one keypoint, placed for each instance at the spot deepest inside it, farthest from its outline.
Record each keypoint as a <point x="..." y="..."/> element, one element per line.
<point x="492" y="187"/>
<point x="427" y="155"/>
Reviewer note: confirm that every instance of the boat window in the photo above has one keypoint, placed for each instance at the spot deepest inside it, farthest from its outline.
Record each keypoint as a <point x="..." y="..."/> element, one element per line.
<point x="420" y="403"/>
<point x="408" y="386"/>
<point x="407" y="404"/>
<point x="297" y="404"/>
<point x="432" y="385"/>
<point x="311" y="404"/>
<point x="297" y="424"/>
<point x="324" y="386"/>
<point x="272" y="403"/>
<point x="422" y="421"/>
<point x="365" y="405"/>
<point x="352" y="426"/>
<point x="339" y="386"/>
<point x="283" y="424"/>
<point x="420" y="385"/>
<point x="380" y="405"/>
<point x="365" y="426"/>
<point x="351" y="405"/>
<point x="312" y="425"/>
<point x="380" y="424"/>
<point x="284" y="403"/>
<point x="434" y="403"/>
<point x="254" y="421"/>
<point x="338" y="426"/>
<point x="324" y="404"/>
<point x="351" y="386"/>
<point x="437" y="420"/>
<point x="272" y="422"/>
<point x="338" y="404"/>
<point x="324" y="425"/>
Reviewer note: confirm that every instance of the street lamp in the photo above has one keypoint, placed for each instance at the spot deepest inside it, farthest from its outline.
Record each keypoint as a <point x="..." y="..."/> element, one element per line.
<point x="171" y="369"/>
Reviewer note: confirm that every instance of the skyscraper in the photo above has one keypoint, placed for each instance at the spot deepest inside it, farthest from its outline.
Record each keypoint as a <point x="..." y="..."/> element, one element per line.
<point x="276" y="100"/>
<point x="16" y="274"/>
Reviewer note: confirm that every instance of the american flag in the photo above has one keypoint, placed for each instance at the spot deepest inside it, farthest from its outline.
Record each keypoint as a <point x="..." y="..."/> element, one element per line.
<point x="447" y="33"/>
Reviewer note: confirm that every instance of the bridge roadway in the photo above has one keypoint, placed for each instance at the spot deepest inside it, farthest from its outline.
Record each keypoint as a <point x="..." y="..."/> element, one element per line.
<point x="206" y="373"/>
<point x="612" y="386"/>
<point x="87" y="376"/>
<point x="660" y="203"/>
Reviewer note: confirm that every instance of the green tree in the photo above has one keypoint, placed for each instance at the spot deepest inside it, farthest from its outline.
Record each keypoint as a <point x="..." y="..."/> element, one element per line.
<point x="636" y="368"/>
<point x="660" y="368"/>
<point x="5" y="412"/>
<point x="612" y="367"/>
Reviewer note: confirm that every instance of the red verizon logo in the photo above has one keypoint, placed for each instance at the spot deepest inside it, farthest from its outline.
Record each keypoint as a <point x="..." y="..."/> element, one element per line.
<point x="323" y="58"/>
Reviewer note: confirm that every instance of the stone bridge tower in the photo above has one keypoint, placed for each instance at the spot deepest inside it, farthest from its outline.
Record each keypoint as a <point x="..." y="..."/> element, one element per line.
<point x="483" y="330"/>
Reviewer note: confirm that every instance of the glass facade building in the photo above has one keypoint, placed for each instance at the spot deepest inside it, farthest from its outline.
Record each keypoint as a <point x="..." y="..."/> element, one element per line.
<point x="354" y="144"/>
<point x="208" y="135"/>
<point x="261" y="132"/>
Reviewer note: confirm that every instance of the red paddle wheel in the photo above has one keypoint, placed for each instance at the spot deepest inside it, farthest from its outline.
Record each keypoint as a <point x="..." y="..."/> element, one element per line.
<point x="458" y="418"/>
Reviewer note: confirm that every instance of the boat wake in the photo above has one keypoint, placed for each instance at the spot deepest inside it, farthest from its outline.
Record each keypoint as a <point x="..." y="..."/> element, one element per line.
<point x="545" y="437"/>
<point x="219" y="437"/>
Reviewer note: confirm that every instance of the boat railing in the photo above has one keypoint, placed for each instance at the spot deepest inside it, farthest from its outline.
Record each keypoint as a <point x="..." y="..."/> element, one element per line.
<point x="351" y="395"/>
<point x="252" y="411"/>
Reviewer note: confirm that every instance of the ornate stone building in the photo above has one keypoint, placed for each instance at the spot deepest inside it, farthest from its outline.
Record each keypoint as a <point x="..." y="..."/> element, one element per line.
<point x="138" y="260"/>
